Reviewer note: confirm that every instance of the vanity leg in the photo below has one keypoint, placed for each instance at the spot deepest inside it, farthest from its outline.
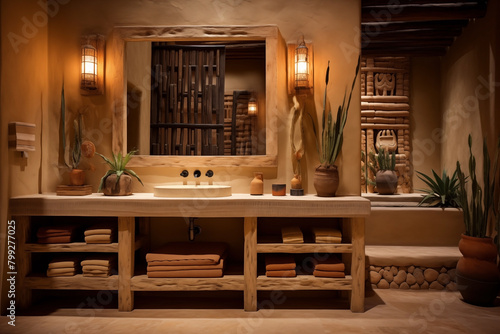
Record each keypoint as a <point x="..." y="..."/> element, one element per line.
<point x="126" y="243"/>
<point x="23" y="265"/>
<point x="358" y="264"/>
<point x="250" y="266"/>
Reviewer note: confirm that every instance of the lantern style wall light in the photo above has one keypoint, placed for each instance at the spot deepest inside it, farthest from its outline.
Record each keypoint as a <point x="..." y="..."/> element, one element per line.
<point x="300" y="68"/>
<point x="252" y="107"/>
<point x="92" y="65"/>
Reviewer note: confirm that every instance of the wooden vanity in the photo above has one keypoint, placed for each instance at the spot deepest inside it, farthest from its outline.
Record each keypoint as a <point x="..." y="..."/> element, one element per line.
<point x="351" y="209"/>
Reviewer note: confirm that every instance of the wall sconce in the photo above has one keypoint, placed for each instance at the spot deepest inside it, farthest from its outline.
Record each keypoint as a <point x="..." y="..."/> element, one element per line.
<point x="92" y="65"/>
<point x="300" y="68"/>
<point x="22" y="137"/>
<point x="252" y="107"/>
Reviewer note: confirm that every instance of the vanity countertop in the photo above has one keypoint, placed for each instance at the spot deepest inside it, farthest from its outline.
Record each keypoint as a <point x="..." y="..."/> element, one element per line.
<point x="146" y="205"/>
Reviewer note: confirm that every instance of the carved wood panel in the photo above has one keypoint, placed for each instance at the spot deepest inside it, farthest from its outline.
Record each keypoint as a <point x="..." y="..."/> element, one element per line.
<point x="385" y="116"/>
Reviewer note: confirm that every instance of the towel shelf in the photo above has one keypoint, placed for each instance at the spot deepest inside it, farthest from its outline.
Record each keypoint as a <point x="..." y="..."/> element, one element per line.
<point x="304" y="282"/>
<point x="303" y="248"/>
<point x="77" y="282"/>
<point x="351" y="211"/>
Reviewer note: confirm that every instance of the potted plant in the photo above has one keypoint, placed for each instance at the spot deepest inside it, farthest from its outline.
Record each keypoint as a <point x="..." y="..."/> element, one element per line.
<point x="386" y="178"/>
<point x="478" y="276"/>
<point x="326" y="176"/>
<point x="442" y="191"/>
<point x="117" y="181"/>
<point x="72" y="156"/>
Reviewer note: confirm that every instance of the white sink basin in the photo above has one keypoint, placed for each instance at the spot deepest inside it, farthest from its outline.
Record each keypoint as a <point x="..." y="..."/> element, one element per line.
<point x="192" y="191"/>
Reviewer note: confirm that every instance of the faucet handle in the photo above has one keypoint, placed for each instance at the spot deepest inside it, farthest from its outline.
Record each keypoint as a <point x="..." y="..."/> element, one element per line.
<point x="209" y="173"/>
<point x="184" y="173"/>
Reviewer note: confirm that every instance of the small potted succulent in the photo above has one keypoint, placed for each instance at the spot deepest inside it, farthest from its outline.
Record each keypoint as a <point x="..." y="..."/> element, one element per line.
<point x="386" y="178"/>
<point x="118" y="181"/>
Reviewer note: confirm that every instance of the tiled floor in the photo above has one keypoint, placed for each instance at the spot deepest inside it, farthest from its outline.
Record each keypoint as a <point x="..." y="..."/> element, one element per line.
<point x="387" y="311"/>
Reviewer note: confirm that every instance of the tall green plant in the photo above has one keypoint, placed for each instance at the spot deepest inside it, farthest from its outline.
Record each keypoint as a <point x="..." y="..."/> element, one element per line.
<point x="476" y="211"/>
<point x="332" y="133"/>
<point x="76" y="152"/>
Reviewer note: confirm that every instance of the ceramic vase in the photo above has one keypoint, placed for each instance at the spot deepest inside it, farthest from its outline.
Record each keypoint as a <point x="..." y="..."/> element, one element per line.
<point x="387" y="182"/>
<point x="326" y="181"/>
<point x="121" y="188"/>
<point x="257" y="184"/>
<point x="76" y="177"/>
<point x="296" y="183"/>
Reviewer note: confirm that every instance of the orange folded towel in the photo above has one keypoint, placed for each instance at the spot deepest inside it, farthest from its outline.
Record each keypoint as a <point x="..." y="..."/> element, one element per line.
<point x="55" y="231"/>
<point x="332" y="274"/>
<point x="281" y="273"/>
<point x="101" y="228"/>
<point x="187" y="253"/>
<point x="186" y="273"/>
<point x="292" y="235"/>
<point x="64" y="262"/>
<point x="100" y="260"/>
<point x="219" y="265"/>
<point x="280" y="262"/>
<point x="99" y="239"/>
<point x="326" y="235"/>
<point x="53" y="272"/>
<point x="55" y="240"/>
<point x="330" y="264"/>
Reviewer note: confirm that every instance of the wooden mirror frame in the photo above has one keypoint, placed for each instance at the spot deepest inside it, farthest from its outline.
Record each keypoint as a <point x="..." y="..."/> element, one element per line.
<point x="275" y="53"/>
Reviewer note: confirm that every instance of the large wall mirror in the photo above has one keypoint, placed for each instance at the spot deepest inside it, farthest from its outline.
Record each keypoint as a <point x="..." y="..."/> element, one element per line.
<point x="196" y="95"/>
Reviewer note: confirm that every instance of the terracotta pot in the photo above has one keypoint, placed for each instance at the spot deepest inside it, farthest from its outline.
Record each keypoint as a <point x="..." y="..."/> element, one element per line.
<point x="257" y="184"/>
<point x="326" y="180"/>
<point x="387" y="182"/>
<point x="477" y="292"/>
<point x="122" y="188"/>
<point x="76" y="177"/>
<point x="479" y="261"/>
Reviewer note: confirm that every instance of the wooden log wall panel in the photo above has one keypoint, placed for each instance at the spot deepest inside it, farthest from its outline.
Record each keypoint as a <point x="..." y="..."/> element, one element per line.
<point x="385" y="112"/>
<point x="187" y="99"/>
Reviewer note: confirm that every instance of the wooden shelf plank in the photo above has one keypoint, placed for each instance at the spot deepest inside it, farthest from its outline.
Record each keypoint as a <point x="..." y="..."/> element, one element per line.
<point x="77" y="282"/>
<point x="304" y="282"/>
<point x="227" y="282"/>
<point x="79" y="247"/>
<point x="72" y="247"/>
<point x="303" y="248"/>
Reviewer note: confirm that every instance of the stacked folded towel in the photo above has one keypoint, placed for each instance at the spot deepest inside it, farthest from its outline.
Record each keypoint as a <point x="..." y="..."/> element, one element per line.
<point x="331" y="267"/>
<point x="325" y="235"/>
<point x="99" y="265"/>
<point x="280" y="265"/>
<point x="292" y="235"/>
<point x="55" y="234"/>
<point x="101" y="233"/>
<point x="63" y="266"/>
<point x="187" y="259"/>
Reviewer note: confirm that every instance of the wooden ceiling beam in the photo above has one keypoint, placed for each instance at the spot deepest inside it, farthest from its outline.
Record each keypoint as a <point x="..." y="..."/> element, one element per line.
<point x="431" y="12"/>
<point x="375" y="27"/>
<point x="370" y="3"/>
<point x="444" y="42"/>
<point x="412" y="34"/>
<point x="412" y="52"/>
